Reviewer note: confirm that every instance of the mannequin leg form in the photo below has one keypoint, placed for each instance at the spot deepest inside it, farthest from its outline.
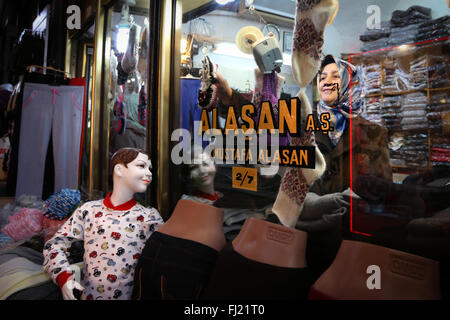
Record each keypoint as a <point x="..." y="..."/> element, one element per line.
<point x="353" y="275"/>
<point x="178" y="259"/>
<point x="265" y="261"/>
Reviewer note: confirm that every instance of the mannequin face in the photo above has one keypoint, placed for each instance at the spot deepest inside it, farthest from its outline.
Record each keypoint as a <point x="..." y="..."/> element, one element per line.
<point x="329" y="83"/>
<point x="203" y="172"/>
<point x="136" y="176"/>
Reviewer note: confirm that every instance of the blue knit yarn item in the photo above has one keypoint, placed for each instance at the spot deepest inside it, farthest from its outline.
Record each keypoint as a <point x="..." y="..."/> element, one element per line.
<point x="4" y="239"/>
<point x="61" y="204"/>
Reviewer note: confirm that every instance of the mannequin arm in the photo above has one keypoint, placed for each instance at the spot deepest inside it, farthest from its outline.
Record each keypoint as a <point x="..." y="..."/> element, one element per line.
<point x="68" y="284"/>
<point x="55" y="258"/>
<point x="224" y="91"/>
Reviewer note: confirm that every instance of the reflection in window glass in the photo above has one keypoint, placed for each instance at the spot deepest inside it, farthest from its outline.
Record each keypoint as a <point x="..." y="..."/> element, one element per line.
<point x="214" y="45"/>
<point x="127" y="96"/>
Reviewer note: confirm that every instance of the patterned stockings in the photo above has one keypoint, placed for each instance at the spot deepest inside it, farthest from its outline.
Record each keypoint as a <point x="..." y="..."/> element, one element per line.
<point x="311" y="19"/>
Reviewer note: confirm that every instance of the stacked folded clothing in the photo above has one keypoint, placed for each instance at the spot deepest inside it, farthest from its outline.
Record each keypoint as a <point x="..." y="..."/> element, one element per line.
<point x="389" y="67"/>
<point x="440" y="150"/>
<point x="437" y="71"/>
<point x="440" y="155"/>
<point x="372" y="110"/>
<point x="396" y="142"/>
<point x="413" y="111"/>
<point x="418" y="73"/>
<point x="415" y="150"/>
<point x="405" y="26"/>
<point x="438" y="112"/>
<point x="374" y="39"/>
<point x="412" y="15"/>
<point x="371" y="78"/>
<point x="434" y="29"/>
<point x="390" y="112"/>
<point x="403" y="35"/>
<point x="395" y="79"/>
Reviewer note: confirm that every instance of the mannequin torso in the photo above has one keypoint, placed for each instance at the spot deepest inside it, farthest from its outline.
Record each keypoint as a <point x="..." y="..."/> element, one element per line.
<point x="197" y="222"/>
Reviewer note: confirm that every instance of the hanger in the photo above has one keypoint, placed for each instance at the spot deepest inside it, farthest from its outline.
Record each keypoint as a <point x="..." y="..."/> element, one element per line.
<point x="189" y="76"/>
<point x="31" y="68"/>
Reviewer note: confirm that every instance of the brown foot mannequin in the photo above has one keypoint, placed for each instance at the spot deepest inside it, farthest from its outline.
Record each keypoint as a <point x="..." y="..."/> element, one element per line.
<point x="401" y="276"/>
<point x="178" y="259"/>
<point x="265" y="261"/>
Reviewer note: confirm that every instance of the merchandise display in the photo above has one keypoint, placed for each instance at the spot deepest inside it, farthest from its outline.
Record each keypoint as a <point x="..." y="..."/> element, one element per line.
<point x="404" y="27"/>
<point x="216" y="153"/>
<point x="406" y="93"/>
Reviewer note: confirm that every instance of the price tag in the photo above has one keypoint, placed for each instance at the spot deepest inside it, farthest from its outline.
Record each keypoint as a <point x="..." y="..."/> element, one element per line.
<point x="245" y="178"/>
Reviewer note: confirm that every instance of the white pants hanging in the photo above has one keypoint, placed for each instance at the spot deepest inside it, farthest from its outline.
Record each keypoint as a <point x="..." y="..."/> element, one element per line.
<point x="45" y="109"/>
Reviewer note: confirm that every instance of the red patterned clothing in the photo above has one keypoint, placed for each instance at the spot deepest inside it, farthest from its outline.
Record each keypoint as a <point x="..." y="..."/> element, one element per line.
<point x="113" y="240"/>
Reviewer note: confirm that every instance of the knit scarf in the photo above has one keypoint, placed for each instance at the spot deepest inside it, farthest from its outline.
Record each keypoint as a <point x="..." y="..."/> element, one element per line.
<point x="344" y="107"/>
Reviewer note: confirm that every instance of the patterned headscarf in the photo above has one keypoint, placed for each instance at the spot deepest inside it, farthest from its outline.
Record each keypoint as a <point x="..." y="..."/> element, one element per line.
<point x="340" y="111"/>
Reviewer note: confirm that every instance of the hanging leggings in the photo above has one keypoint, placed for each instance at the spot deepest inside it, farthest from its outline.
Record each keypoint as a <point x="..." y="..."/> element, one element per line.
<point x="49" y="109"/>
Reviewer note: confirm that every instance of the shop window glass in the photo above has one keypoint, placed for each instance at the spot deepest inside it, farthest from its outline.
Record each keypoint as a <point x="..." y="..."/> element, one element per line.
<point x="399" y="123"/>
<point x="127" y="81"/>
<point x="215" y="46"/>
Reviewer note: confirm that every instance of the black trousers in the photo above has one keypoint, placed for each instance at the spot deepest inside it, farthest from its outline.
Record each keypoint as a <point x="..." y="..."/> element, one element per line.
<point x="237" y="277"/>
<point x="172" y="268"/>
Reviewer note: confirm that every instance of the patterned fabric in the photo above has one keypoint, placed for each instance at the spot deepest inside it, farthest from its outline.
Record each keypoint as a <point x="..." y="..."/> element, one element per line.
<point x="61" y="204"/>
<point x="24" y="224"/>
<point x="113" y="241"/>
<point x="307" y="39"/>
<point x="370" y="156"/>
<point x="207" y="94"/>
<point x="304" y="5"/>
<point x="307" y="48"/>
<point x="142" y="107"/>
<point x="268" y="88"/>
<point x="294" y="183"/>
<point x="267" y="91"/>
<point x="344" y="106"/>
<point x="50" y="226"/>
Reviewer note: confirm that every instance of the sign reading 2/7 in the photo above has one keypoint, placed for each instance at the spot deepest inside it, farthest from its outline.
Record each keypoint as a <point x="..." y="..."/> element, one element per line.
<point x="245" y="178"/>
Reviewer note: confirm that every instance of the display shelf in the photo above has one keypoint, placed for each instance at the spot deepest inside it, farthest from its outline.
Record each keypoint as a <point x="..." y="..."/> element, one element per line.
<point x="427" y="49"/>
<point x="370" y="95"/>
<point x="438" y="89"/>
<point x="405" y="169"/>
<point x="418" y="130"/>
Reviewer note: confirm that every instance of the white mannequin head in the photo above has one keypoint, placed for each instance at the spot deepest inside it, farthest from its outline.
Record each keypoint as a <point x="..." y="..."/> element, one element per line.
<point x="202" y="172"/>
<point x="131" y="171"/>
